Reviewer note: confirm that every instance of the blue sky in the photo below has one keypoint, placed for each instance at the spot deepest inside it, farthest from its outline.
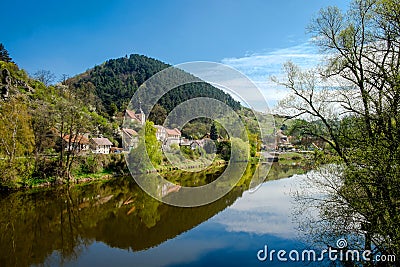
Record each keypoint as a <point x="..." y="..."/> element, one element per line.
<point x="68" y="37"/>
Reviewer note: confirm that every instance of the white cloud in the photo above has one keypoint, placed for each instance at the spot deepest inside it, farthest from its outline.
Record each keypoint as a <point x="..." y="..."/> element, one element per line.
<point x="260" y="67"/>
<point x="266" y="211"/>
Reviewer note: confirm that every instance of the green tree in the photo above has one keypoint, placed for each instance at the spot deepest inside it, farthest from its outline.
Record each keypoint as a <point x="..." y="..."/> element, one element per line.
<point x="355" y="99"/>
<point x="16" y="139"/>
<point x="213" y="132"/>
<point x="71" y="121"/>
<point x="148" y="145"/>
<point x="158" y="114"/>
<point x="4" y="56"/>
<point x="152" y="145"/>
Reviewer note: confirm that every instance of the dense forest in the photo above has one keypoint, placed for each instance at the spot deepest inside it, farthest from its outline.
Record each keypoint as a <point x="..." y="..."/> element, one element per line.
<point x="115" y="81"/>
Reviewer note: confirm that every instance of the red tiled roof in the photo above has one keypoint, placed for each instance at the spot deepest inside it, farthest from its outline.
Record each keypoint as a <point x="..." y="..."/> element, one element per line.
<point x="76" y="139"/>
<point x="132" y="115"/>
<point x="174" y="131"/>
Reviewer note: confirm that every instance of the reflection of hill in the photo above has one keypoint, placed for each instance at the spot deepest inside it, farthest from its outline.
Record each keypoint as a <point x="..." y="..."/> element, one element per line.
<point x="35" y="224"/>
<point x="134" y="231"/>
<point x="118" y="213"/>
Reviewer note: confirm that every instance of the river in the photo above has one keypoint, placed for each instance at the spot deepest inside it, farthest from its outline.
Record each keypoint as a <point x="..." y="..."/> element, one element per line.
<point x="114" y="223"/>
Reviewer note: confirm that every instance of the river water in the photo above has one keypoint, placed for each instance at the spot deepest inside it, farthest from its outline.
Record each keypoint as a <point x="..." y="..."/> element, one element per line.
<point x="114" y="223"/>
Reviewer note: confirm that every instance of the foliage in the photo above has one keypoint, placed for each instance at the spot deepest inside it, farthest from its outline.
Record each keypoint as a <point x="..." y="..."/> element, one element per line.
<point x="196" y="128"/>
<point x="16" y="138"/>
<point x="213" y="132"/>
<point x="152" y="145"/>
<point x="352" y="104"/>
<point x="148" y="145"/>
<point x="224" y="150"/>
<point x="4" y="56"/>
<point x="115" y="81"/>
<point x="158" y="114"/>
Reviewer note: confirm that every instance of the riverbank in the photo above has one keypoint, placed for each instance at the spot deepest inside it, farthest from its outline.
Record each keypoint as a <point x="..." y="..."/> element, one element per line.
<point x="115" y="167"/>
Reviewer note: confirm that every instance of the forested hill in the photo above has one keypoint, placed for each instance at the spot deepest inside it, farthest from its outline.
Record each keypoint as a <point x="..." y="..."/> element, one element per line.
<point x="115" y="81"/>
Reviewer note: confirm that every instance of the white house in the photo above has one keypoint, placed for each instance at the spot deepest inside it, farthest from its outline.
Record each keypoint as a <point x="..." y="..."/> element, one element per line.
<point x="173" y="136"/>
<point x="100" y="145"/>
<point x="76" y="143"/>
<point x="130" y="138"/>
<point x="161" y="133"/>
<point x="168" y="136"/>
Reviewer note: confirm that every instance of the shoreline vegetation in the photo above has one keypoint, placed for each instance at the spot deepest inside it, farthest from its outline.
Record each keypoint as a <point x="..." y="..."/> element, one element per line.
<point x="286" y="160"/>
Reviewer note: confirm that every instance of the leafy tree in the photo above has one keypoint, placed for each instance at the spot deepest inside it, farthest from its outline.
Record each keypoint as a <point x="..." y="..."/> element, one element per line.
<point x="152" y="145"/>
<point x="355" y="98"/>
<point x="4" y="56"/>
<point x="158" y="114"/>
<point x="16" y="139"/>
<point x="71" y="121"/>
<point x="148" y="144"/>
<point x="213" y="132"/>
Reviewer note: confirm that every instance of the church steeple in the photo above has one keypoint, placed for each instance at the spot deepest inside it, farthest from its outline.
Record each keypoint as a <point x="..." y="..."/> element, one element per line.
<point x="141" y="115"/>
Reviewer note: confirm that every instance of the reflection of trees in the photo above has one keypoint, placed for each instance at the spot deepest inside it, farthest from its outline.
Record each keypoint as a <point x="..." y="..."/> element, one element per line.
<point x="325" y="216"/>
<point x="36" y="224"/>
<point x="32" y="227"/>
<point x="352" y="103"/>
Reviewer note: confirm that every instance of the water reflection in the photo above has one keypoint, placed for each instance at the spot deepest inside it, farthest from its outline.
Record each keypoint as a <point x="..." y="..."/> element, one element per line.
<point x="272" y="201"/>
<point x="59" y="226"/>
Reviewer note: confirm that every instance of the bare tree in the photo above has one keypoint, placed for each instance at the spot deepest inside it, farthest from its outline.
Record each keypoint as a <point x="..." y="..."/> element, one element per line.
<point x="45" y="76"/>
<point x="355" y="98"/>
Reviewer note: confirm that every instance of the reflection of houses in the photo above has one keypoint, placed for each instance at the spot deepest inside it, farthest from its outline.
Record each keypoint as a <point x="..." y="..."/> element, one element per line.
<point x="100" y="145"/>
<point x="132" y="117"/>
<point x="168" y="188"/>
<point x="130" y="138"/>
<point x="76" y="143"/>
<point x="168" y="136"/>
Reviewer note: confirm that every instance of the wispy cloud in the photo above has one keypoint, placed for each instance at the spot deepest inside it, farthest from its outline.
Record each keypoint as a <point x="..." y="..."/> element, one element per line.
<point x="260" y="67"/>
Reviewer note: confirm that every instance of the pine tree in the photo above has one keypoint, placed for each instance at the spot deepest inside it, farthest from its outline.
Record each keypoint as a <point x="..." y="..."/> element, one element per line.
<point x="213" y="132"/>
<point x="4" y="56"/>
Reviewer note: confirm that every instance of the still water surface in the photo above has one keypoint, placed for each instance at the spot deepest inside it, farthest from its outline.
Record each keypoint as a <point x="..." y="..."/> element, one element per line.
<point x="114" y="223"/>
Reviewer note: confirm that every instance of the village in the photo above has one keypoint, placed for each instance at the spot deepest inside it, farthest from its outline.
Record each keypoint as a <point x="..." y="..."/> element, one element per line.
<point x="83" y="144"/>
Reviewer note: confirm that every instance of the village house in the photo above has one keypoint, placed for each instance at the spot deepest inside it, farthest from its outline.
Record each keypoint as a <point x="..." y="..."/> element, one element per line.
<point x="130" y="139"/>
<point x="76" y="143"/>
<point x="100" y="145"/>
<point x="282" y="141"/>
<point x="161" y="133"/>
<point x="173" y="137"/>
<point x="168" y="136"/>
<point x="132" y="117"/>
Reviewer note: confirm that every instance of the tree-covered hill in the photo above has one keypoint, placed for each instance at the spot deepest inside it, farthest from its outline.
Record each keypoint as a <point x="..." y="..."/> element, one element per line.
<point x="115" y="81"/>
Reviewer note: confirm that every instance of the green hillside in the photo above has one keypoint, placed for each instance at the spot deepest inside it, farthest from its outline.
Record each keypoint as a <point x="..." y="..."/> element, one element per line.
<point x="115" y="81"/>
